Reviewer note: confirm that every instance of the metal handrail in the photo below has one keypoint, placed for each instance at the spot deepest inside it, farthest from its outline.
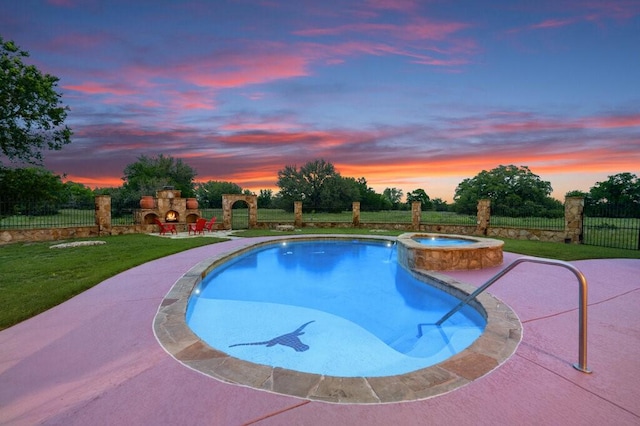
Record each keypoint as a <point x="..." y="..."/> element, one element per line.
<point x="581" y="365"/>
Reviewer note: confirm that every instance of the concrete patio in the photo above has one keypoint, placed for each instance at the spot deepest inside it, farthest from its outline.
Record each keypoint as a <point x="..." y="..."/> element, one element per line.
<point x="95" y="360"/>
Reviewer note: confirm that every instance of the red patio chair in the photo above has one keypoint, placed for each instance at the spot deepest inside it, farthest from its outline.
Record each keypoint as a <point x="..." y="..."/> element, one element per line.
<point x="165" y="227"/>
<point x="198" y="227"/>
<point x="209" y="225"/>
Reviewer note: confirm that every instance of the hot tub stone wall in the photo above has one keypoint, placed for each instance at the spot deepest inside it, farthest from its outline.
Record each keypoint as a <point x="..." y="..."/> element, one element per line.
<point x="483" y="253"/>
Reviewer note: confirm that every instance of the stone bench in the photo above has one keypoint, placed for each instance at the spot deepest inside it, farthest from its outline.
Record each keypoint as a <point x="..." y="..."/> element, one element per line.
<point x="285" y="228"/>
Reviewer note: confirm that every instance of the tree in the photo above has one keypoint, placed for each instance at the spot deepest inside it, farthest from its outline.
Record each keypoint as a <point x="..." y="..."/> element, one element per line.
<point x="620" y="192"/>
<point x="31" y="111"/>
<point x="265" y="199"/>
<point x="210" y="193"/>
<point x="338" y="194"/>
<point x="393" y="196"/>
<point x="419" y="195"/>
<point x="147" y="175"/>
<point x="440" y="205"/>
<point x="513" y="191"/>
<point x="369" y="199"/>
<point x="308" y="184"/>
<point x="77" y="194"/>
<point x="31" y="190"/>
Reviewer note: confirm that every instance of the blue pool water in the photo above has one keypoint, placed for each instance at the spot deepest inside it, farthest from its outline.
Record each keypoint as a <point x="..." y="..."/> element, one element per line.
<point x="442" y="241"/>
<point x="332" y="307"/>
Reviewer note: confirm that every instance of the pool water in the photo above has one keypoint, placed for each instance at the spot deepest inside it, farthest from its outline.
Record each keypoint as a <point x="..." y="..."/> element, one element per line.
<point x="339" y="308"/>
<point x="441" y="241"/>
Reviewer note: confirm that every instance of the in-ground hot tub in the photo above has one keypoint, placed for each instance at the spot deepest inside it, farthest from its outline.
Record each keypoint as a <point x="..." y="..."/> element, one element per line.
<point x="448" y="252"/>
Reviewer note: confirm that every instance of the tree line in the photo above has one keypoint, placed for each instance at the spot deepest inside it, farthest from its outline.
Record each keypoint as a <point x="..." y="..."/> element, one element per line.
<point x="513" y="190"/>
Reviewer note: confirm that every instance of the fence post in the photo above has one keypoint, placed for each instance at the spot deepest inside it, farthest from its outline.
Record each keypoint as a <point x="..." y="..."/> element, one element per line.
<point x="416" y="215"/>
<point x="484" y="216"/>
<point x="103" y="214"/>
<point x="573" y="216"/>
<point x="356" y="214"/>
<point x="297" y="211"/>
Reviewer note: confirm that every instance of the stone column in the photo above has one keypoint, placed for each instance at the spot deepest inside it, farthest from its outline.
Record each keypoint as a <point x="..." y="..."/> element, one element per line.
<point x="252" y="200"/>
<point x="484" y="217"/>
<point x="297" y="211"/>
<point x="226" y="212"/>
<point x="573" y="215"/>
<point x="103" y="214"/>
<point x="416" y="215"/>
<point x="356" y="213"/>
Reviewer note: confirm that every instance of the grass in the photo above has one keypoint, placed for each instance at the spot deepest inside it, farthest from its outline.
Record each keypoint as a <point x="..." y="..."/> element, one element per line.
<point x="36" y="278"/>
<point x="567" y="252"/>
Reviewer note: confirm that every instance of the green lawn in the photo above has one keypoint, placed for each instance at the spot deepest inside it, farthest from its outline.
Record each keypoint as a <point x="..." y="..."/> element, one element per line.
<point x="36" y="277"/>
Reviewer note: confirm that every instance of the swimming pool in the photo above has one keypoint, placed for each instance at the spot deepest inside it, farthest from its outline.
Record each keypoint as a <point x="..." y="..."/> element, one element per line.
<point x="340" y="308"/>
<point x="501" y="336"/>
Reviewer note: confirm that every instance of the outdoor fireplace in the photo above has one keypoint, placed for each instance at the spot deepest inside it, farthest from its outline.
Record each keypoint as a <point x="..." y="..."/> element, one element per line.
<point x="168" y="206"/>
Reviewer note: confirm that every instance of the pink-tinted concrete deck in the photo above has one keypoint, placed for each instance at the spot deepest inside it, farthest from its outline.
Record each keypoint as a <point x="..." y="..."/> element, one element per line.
<point x="95" y="360"/>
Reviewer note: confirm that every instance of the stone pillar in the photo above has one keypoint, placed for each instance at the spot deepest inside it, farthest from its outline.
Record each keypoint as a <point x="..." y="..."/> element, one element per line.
<point x="226" y="212"/>
<point x="103" y="214"/>
<point x="416" y="215"/>
<point x="356" y="214"/>
<point x="252" y="201"/>
<point x="484" y="217"/>
<point x="297" y="212"/>
<point x="573" y="215"/>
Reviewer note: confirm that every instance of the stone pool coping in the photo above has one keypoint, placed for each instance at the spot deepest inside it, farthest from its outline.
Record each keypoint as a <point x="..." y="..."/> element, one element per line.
<point x="499" y="341"/>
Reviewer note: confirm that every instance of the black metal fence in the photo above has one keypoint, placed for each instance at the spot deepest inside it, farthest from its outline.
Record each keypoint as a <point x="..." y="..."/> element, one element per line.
<point x="611" y="226"/>
<point x="501" y="218"/>
<point x="33" y="214"/>
<point x="430" y="217"/>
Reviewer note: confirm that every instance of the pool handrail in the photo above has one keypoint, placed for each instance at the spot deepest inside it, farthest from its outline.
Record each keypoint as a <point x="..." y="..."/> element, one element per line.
<point x="581" y="365"/>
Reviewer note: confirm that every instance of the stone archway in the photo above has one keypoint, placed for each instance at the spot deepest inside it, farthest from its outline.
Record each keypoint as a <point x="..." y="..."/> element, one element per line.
<point x="229" y="199"/>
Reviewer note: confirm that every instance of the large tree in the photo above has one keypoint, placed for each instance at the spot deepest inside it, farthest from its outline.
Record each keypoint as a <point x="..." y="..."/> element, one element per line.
<point x="31" y="111"/>
<point x="210" y="193"/>
<point x="620" y="191"/>
<point x="30" y="191"/>
<point x="420" y="195"/>
<point x="149" y="174"/>
<point x="318" y="185"/>
<point x="393" y="196"/>
<point x="513" y="191"/>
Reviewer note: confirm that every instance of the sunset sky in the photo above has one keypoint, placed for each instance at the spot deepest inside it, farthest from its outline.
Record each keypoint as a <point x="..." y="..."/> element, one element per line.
<point x="406" y="93"/>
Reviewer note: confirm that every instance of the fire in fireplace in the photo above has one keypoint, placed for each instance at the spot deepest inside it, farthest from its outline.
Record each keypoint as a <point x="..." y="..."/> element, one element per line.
<point x="171" y="216"/>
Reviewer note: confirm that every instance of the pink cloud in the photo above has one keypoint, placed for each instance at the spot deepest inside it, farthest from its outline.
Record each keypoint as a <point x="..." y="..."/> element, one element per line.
<point x="416" y="29"/>
<point x="239" y="70"/>
<point x="95" y="88"/>
<point x="587" y="11"/>
<point x="553" y="23"/>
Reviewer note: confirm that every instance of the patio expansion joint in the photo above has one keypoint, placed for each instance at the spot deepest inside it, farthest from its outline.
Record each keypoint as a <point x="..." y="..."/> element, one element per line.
<point x="573" y="383"/>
